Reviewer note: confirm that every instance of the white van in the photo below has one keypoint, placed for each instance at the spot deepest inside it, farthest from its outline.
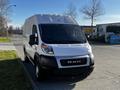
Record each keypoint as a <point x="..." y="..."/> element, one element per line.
<point x="54" y="42"/>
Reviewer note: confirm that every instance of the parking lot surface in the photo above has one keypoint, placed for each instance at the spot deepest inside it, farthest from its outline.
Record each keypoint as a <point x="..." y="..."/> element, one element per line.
<point x="106" y="75"/>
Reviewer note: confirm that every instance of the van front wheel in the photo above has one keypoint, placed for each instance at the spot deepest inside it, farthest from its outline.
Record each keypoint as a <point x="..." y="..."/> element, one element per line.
<point x="26" y="59"/>
<point x="37" y="71"/>
<point x="40" y="75"/>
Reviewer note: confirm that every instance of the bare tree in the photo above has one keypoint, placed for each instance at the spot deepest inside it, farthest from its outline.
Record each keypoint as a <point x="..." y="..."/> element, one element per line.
<point x="93" y="10"/>
<point x="2" y="22"/>
<point x="71" y="11"/>
<point x="3" y="15"/>
<point x="4" y="10"/>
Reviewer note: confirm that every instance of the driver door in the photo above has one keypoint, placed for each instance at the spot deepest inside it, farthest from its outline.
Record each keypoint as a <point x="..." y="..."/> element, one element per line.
<point x="33" y="41"/>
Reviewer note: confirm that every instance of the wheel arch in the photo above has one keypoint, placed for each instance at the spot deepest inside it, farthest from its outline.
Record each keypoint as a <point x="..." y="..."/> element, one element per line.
<point x="36" y="55"/>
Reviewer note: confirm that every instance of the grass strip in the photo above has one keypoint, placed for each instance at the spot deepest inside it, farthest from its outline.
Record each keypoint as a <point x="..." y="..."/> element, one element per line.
<point x="12" y="76"/>
<point x="4" y="40"/>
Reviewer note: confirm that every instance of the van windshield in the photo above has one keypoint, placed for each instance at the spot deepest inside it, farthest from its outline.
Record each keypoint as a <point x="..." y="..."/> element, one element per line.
<point x="61" y="34"/>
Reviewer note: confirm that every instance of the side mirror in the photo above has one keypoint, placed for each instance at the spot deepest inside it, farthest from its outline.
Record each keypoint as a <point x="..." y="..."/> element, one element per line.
<point x="88" y="36"/>
<point x="33" y="39"/>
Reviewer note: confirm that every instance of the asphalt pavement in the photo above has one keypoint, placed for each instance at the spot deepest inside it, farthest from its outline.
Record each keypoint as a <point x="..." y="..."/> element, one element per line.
<point x="106" y="75"/>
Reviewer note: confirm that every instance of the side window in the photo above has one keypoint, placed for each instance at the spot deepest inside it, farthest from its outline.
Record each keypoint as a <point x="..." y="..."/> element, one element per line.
<point x="34" y="32"/>
<point x="34" y="29"/>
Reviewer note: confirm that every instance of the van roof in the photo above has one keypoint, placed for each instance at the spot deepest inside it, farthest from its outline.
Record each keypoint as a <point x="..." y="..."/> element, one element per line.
<point x="53" y="19"/>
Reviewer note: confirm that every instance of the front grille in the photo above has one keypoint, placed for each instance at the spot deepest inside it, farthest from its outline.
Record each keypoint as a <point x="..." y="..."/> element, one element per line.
<point x="72" y="62"/>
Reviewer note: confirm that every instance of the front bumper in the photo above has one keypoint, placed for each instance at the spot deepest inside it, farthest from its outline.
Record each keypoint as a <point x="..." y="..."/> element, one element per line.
<point x="72" y="71"/>
<point x="49" y="63"/>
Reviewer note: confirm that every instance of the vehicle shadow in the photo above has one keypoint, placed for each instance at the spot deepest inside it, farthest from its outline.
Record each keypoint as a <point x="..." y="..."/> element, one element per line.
<point x="12" y="76"/>
<point x="56" y="82"/>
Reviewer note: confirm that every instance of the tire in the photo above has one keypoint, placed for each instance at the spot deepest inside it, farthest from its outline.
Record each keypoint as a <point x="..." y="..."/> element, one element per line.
<point x="26" y="59"/>
<point x="39" y="72"/>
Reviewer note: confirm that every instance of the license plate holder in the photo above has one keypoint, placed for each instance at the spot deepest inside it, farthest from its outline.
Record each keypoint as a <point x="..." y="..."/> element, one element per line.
<point x="72" y="62"/>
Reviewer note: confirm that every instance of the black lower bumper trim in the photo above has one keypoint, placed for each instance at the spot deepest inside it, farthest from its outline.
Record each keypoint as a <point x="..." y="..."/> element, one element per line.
<point x="49" y="64"/>
<point x="48" y="61"/>
<point x="68" y="71"/>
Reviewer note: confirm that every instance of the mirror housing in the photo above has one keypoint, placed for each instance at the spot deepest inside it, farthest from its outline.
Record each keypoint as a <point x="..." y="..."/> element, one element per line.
<point x="33" y="39"/>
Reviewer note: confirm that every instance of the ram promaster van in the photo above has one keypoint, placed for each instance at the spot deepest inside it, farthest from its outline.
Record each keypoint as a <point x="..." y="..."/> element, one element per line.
<point x="56" y="43"/>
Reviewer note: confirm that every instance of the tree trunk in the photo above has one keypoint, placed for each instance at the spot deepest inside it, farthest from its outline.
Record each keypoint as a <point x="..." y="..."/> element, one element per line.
<point x="92" y="21"/>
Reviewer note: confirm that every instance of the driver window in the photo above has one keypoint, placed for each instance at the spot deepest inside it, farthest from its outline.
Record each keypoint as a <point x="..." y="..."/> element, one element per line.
<point x="34" y="32"/>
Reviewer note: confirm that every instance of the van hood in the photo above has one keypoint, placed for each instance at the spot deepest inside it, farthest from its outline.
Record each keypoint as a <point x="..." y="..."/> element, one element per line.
<point x="71" y="49"/>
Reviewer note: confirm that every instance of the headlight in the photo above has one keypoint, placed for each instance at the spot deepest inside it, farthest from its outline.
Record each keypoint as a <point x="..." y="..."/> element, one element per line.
<point x="47" y="49"/>
<point x="90" y="52"/>
<point x="91" y="56"/>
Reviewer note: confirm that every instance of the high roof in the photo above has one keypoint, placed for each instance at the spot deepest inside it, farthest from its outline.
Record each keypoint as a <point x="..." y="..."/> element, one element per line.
<point x="54" y="19"/>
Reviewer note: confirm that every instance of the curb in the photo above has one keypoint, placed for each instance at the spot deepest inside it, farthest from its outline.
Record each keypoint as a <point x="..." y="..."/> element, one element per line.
<point x="7" y="46"/>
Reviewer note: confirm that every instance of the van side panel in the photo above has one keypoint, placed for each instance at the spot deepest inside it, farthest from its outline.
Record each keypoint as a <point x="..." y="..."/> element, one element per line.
<point x="27" y="31"/>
